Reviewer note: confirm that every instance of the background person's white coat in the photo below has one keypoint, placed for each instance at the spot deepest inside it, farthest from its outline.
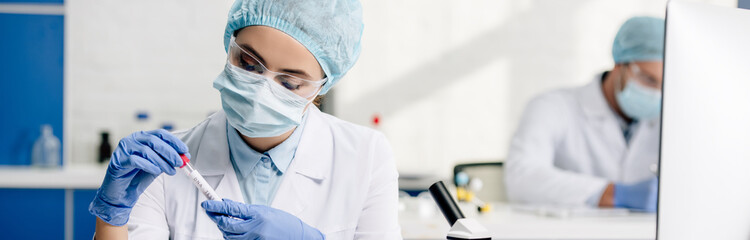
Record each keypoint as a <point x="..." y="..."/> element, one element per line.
<point x="342" y="181"/>
<point x="569" y="145"/>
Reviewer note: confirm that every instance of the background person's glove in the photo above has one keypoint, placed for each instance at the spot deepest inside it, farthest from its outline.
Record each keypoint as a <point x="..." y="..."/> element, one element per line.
<point x="137" y="161"/>
<point x="257" y="222"/>
<point x="640" y="196"/>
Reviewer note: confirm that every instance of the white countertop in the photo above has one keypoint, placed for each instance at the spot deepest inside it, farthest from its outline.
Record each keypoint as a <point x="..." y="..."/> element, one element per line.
<point x="505" y="222"/>
<point x="71" y="177"/>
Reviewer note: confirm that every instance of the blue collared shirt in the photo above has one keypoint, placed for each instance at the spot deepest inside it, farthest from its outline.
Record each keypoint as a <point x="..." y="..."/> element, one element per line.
<point x="627" y="128"/>
<point x="259" y="174"/>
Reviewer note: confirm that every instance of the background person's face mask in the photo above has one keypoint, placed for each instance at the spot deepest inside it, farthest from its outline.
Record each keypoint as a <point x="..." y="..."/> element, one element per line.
<point x="255" y="105"/>
<point x="639" y="102"/>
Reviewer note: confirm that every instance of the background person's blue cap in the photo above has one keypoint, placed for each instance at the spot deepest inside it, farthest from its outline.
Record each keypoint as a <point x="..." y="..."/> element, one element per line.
<point x="330" y="29"/>
<point x="639" y="39"/>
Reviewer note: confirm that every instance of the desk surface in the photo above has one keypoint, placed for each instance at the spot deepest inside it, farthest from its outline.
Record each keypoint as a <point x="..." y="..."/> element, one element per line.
<point x="503" y="221"/>
<point x="506" y="223"/>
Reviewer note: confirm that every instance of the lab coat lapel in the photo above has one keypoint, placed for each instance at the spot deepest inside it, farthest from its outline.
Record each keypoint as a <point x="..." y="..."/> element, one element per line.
<point x="212" y="155"/>
<point x="644" y="140"/>
<point x="309" y="168"/>
<point x="604" y="133"/>
<point x="602" y="118"/>
<point x="643" y="129"/>
<point x="212" y="161"/>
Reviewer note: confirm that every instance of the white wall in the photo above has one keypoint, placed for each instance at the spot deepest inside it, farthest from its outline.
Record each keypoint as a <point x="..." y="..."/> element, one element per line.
<point x="449" y="77"/>
<point x="126" y="56"/>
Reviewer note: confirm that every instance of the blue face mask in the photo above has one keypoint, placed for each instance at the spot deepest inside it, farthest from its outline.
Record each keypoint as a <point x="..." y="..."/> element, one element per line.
<point x="639" y="102"/>
<point x="255" y="105"/>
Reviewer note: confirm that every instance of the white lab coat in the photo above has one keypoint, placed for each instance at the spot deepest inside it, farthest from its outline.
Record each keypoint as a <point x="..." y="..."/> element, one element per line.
<point x="342" y="181"/>
<point x="569" y="146"/>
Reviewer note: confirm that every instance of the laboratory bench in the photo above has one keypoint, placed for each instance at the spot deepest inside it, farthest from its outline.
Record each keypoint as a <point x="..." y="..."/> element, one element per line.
<point x="505" y="221"/>
<point x="38" y="203"/>
<point x="58" y="199"/>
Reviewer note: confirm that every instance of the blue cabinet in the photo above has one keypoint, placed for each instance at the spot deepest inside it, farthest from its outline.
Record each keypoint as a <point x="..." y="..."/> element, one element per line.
<point x="32" y="213"/>
<point x="41" y="213"/>
<point x="31" y="82"/>
<point x="83" y="222"/>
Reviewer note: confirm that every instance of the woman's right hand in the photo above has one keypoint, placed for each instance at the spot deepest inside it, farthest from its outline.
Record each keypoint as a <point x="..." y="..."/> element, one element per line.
<point x="137" y="161"/>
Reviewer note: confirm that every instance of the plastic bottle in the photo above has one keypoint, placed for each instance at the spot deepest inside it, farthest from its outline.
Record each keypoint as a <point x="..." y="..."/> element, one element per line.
<point x="46" y="151"/>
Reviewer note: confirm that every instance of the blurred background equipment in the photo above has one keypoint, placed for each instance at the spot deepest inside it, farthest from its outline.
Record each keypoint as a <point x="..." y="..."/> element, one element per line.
<point x="461" y="227"/>
<point x="105" y="149"/>
<point x="470" y="179"/>
<point x="490" y="185"/>
<point x="703" y="172"/>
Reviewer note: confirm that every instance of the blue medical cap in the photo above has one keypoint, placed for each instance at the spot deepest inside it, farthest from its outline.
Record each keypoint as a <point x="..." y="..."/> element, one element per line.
<point x="330" y="29"/>
<point x="639" y="39"/>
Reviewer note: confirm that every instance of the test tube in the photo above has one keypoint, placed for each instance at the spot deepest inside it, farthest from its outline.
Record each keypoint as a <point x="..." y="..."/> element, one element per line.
<point x="198" y="180"/>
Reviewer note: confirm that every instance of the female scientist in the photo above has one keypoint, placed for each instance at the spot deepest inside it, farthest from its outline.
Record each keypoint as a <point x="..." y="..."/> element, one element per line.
<point x="290" y="171"/>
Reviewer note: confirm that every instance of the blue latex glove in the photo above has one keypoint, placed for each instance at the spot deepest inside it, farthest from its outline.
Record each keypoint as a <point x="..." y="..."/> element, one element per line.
<point x="137" y="161"/>
<point x="640" y="196"/>
<point x="257" y="222"/>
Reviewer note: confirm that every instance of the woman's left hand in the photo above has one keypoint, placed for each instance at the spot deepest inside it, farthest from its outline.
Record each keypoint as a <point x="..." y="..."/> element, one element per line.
<point x="257" y="221"/>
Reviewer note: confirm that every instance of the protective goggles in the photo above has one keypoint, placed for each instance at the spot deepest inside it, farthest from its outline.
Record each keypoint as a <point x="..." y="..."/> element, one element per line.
<point x="243" y="59"/>
<point x="642" y="78"/>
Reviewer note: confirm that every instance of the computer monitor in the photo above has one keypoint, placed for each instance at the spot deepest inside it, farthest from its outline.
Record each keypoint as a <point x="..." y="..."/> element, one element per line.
<point x="705" y="144"/>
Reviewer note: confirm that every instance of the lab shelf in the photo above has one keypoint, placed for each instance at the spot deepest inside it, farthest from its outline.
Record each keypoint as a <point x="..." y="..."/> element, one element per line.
<point x="72" y="177"/>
